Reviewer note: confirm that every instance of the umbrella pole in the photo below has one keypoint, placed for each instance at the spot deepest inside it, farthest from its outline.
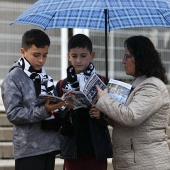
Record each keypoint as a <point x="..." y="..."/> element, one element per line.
<point x="106" y="57"/>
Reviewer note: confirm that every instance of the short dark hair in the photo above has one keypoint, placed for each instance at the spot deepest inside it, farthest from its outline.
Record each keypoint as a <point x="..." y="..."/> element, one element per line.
<point x="147" y="58"/>
<point x="81" y="41"/>
<point x="35" y="37"/>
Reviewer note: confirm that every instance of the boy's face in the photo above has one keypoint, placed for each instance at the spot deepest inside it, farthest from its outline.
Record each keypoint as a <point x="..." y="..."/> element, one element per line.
<point x="36" y="56"/>
<point x="80" y="58"/>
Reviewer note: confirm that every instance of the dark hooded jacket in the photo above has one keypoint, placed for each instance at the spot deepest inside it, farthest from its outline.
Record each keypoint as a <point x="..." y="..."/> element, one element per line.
<point x="90" y="138"/>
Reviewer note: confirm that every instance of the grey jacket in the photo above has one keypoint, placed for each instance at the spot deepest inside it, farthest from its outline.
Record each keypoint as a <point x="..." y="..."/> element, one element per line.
<point x="139" y="133"/>
<point x="19" y="98"/>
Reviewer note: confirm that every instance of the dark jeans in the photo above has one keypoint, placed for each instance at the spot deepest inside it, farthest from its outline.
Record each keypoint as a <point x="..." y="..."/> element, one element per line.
<point x="85" y="163"/>
<point x="39" y="162"/>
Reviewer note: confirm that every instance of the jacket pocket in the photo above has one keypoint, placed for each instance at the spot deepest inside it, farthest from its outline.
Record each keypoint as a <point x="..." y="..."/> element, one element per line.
<point x="132" y="147"/>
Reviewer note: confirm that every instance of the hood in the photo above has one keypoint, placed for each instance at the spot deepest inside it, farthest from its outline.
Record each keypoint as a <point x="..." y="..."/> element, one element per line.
<point x="14" y="66"/>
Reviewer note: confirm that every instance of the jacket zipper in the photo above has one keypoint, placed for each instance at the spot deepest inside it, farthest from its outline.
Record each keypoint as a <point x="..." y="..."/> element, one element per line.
<point x="132" y="147"/>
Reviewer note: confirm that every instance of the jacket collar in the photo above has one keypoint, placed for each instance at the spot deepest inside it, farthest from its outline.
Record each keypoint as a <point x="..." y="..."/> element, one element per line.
<point x="138" y="80"/>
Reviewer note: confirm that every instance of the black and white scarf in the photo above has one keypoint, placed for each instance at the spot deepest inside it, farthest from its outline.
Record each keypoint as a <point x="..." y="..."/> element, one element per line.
<point x="77" y="81"/>
<point x="42" y="82"/>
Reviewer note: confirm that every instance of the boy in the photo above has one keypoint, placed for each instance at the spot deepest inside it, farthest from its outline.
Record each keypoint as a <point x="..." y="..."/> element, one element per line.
<point x="34" y="148"/>
<point x="89" y="146"/>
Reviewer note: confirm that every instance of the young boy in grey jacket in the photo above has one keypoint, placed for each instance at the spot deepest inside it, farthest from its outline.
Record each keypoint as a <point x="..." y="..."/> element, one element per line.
<point x="34" y="147"/>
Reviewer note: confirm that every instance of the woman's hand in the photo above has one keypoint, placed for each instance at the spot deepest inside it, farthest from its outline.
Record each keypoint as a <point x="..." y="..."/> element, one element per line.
<point x="94" y="112"/>
<point x="100" y="91"/>
<point x="51" y="107"/>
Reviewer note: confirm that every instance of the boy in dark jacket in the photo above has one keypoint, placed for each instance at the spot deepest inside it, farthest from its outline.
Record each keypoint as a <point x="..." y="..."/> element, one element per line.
<point x="34" y="148"/>
<point x="90" y="145"/>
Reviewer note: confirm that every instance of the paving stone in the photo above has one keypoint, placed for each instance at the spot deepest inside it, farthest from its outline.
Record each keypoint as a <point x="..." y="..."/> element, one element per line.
<point x="6" y="150"/>
<point x="9" y="164"/>
<point x="5" y="134"/>
<point x="4" y="122"/>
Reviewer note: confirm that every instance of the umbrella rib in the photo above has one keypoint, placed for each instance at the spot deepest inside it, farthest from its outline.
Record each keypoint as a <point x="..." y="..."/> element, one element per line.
<point x="49" y="21"/>
<point x="163" y="16"/>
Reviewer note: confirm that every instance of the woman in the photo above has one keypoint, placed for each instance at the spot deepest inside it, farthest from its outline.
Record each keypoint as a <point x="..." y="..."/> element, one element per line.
<point x="139" y="133"/>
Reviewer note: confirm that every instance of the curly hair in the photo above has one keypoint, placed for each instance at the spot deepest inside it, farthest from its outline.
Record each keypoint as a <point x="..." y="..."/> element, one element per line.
<point x="147" y="58"/>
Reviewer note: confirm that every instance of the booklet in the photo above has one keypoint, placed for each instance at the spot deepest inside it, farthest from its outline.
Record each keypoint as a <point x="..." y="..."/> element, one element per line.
<point x="84" y="99"/>
<point x="90" y="90"/>
<point x="87" y="97"/>
<point x="42" y="98"/>
<point x="77" y="98"/>
<point x="119" y="90"/>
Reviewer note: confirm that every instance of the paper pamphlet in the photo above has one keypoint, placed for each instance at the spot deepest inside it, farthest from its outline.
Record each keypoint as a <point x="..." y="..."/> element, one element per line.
<point x="89" y="95"/>
<point x="77" y="98"/>
<point x="90" y="90"/>
<point x="119" y="90"/>
<point x="53" y="99"/>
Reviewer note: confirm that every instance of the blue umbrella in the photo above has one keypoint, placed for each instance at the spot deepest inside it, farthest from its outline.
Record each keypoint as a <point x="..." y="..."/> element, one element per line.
<point x="104" y="15"/>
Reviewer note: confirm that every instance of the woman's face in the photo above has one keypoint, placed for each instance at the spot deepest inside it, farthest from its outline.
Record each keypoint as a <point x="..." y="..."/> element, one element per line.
<point x="129" y="63"/>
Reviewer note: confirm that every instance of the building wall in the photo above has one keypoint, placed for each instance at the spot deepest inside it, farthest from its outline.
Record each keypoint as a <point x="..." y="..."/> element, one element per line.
<point x="159" y="36"/>
<point x="10" y="43"/>
<point x="10" y="39"/>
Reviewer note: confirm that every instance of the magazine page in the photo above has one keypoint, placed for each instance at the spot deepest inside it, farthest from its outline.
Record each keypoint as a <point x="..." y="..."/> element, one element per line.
<point x="77" y="98"/>
<point x="88" y="96"/>
<point x="90" y="90"/>
<point x="53" y="99"/>
<point x="119" y="90"/>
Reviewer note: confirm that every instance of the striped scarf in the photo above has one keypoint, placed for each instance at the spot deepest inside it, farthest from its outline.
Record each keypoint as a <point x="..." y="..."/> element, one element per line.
<point x="42" y="82"/>
<point x="78" y="81"/>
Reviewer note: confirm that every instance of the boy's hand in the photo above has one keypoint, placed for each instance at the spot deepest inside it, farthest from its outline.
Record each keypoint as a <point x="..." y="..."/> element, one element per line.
<point x="68" y="105"/>
<point x="50" y="107"/>
<point x="94" y="112"/>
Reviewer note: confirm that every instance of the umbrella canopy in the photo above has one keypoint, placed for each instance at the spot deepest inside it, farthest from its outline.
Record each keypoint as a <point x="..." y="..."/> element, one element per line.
<point x="97" y="14"/>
